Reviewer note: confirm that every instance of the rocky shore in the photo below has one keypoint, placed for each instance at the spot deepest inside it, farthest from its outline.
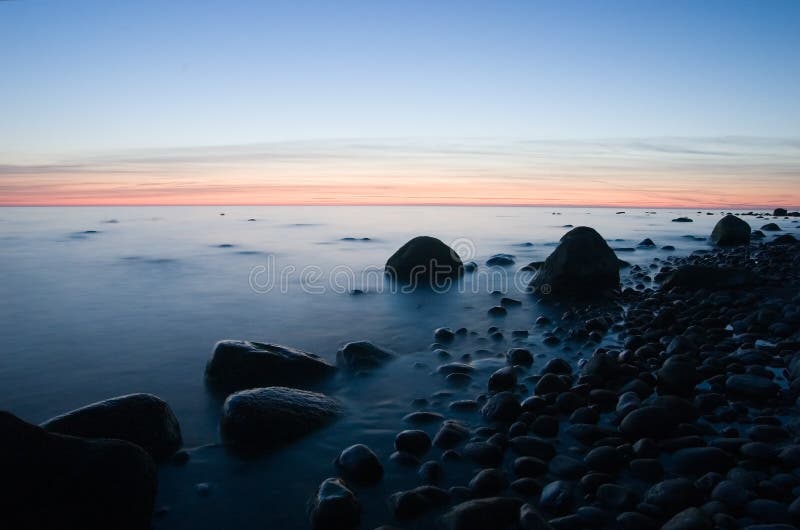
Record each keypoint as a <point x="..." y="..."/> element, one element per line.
<point x="668" y="400"/>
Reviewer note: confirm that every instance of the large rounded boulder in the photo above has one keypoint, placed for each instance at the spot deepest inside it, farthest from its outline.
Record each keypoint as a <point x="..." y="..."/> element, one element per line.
<point x="142" y="419"/>
<point x="57" y="481"/>
<point x="241" y="364"/>
<point x="731" y="231"/>
<point x="424" y="260"/>
<point x="583" y="264"/>
<point x="265" y="418"/>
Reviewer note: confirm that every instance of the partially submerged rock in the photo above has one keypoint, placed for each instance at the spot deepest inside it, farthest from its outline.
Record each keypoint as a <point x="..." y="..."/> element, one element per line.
<point x="582" y="264"/>
<point x="424" y="260"/>
<point x="55" y="481"/>
<point x="494" y="513"/>
<point x="334" y="507"/>
<point x="362" y="355"/>
<point x="731" y="231"/>
<point x="264" y="418"/>
<point x="241" y="364"/>
<point x="142" y="419"/>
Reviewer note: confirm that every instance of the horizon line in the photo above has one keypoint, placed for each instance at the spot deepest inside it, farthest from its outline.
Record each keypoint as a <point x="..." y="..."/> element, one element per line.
<point x="384" y="205"/>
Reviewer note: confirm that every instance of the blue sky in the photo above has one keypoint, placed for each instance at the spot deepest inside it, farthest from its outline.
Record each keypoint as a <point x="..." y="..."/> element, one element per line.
<point x="94" y="77"/>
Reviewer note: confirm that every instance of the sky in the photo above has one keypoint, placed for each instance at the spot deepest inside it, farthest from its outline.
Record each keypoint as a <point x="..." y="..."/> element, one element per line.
<point x="563" y="102"/>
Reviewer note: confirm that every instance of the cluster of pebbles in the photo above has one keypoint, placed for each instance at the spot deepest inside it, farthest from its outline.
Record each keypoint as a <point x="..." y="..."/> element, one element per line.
<point x="689" y="421"/>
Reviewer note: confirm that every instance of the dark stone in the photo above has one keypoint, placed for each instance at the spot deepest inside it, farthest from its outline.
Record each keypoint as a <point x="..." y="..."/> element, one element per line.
<point x="413" y="441"/>
<point x="583" y="264"/>
<point x="532" y="446"/>
<point x="689" y="519"/>
<point x="704" y="277"/>
<point x="648" y="422"/>
<point x="430" y="472"/>
<point x="424" y="260"/>
<point x="683" y="220"/>
<point x="566" y="467"/>
<point x="521" y="356"/>
<point x="503" y="379"/>
<point x="701" y="460"/>
<point x="263" y="418"/>
<point x="334" y="507"/>
<point x="779" y="212"/>
<point x="672" y="495"/>
<point x="731" y="231"/>
<point x="359" y="464"/>
<point x="500" y="260"/>
<point x="605" y="459"/>
<point x="751" y="386"/>
<point x="531" y="519"/>
<point x="240" y="364"/>
<point x="502" y="407"/>
<point x="362" y="355"/>
<point x="550" y="383"/>
<point x="557" y="497"/>
<point x="142" y="419"/>
<point x="771" y="227"/>
<point x="529" y="466"/>
<point x="614" y="496"/>
<point x="494" y="513"/>
<point x="484" y="453"/>
<point x="488" y="482"/>
<point x="450" y="434"/>
<point x="53" y="481"/>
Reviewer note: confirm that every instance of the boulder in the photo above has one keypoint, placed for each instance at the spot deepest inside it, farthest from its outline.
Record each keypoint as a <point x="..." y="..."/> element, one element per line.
<point x="731" y="231"/>
<point x="241" y="364"/>
<point x="55" y="481"/>
<point x="362" y="355"/>
<point x="779" y="212"/>
<point x="424" y="260"/>
<point x="142" y="419"/>
<point x="648" y="422"/>
<point x="263" y="418"/>
<point x="583" y="264"/>
<point x="334" y="507"/>
<point x="771" y="227"/>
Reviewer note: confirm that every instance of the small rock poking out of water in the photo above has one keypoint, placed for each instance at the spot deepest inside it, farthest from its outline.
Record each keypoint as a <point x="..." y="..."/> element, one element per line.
<point x="500" y="260"/>
<point x="683" y="220"/>
<point x="334" y="507"/>
<point x="424" y="260"/>
<point x="241" y="364"/>
<point x="582" y="265"/>
<point x="142" y="419"/>
<point x="265" y="418"/>
<point x="359" y="464"/>
<point x="362" y="355"/>
<point x="771" y="227"/>
<point x="731" y="231"/>
<point x="56" y="481"/>
<point x="646" y="243"/>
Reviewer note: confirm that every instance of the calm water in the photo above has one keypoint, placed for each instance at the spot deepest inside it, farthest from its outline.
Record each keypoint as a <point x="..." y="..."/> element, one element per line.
<point x="137" y="305"/>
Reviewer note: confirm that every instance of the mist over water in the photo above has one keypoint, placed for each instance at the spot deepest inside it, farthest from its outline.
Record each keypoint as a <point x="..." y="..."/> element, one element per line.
<point x="100" y="302"/>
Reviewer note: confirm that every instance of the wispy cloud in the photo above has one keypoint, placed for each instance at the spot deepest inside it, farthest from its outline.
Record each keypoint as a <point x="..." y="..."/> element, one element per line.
<point x="671" y="171"/>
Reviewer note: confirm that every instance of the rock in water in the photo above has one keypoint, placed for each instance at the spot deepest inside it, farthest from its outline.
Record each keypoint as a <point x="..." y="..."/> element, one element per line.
<point x="779" y="212"/>
<point x="263" y="418"/>
<point x="731" y="231"/>
<point x="362" y="355"/>
<point x="241" y="364"/>
<point x="334" y="507"/>
<point x="359" y="464"/>
<point x="582" y="264"/>
<point x="142" y="419"/>
<point x="424" y="260"/>
<point x="494" y="513"/>
<point x="56" y="481"/>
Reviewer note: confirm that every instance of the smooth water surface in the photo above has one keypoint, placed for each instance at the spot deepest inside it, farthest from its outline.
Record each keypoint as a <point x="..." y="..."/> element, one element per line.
<point x="99" y="302"/>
